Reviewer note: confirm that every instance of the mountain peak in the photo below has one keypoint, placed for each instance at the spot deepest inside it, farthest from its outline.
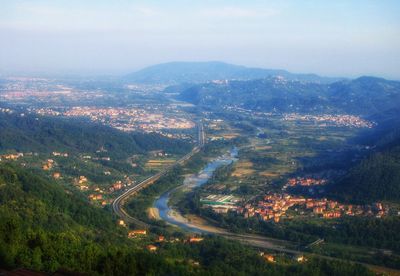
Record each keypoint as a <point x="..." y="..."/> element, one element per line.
<point x="178" y="72"/>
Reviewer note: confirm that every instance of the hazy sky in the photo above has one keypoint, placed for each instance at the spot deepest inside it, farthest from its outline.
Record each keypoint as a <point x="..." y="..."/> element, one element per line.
<point x="338" y="37"/>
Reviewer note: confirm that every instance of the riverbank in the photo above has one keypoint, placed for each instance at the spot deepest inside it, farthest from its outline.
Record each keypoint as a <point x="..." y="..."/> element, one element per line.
<point x="191" y="182"/>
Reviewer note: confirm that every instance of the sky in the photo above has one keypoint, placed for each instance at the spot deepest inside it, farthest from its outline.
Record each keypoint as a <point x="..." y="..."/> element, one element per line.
<point x="333" y="38"/>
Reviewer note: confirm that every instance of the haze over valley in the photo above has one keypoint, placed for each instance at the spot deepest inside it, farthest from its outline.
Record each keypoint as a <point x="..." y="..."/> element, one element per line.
<point x="255" y="139"/>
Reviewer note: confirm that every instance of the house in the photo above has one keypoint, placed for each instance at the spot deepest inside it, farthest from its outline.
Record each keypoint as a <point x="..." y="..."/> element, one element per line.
<point x="95" y="196"/>
<point x="135" y="233"/>
<point x="56" y="175"/>
<point x="152" y="248"/>
<point x="301" y="259"/>
<point x="319" y="210"/>
<point x="82" y="179"/>
<point x="48" y="165"/>
<point x="160" y="238"/>
<point x="269" y="258"/>
<point x="195" y="239"/>
<point x="55" y="153"/>
<point x="332" y="214"/>
<point x="117" y="186"/>
<point x="83" y="188"/>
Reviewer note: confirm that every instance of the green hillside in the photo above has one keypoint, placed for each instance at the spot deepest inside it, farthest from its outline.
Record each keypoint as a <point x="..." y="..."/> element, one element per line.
<point x="363" y="96"/>
<point x="377" y="176"/>
<point x="45" y="229"/>
<point x="45" y="134"/>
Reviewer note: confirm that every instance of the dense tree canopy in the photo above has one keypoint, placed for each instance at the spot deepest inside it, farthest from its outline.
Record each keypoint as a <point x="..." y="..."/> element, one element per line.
<point x="45" y="134"/>
<point x="46" y="229"/>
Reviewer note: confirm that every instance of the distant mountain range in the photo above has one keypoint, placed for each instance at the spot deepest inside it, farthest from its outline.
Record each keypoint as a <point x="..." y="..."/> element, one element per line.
<point x="198" y="72"/>
<point x="362" y="96"/>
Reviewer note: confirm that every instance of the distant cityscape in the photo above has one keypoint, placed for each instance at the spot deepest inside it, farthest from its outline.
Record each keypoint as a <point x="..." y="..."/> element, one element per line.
<point x="331" y="120"/>
<point x="125" y="119"/>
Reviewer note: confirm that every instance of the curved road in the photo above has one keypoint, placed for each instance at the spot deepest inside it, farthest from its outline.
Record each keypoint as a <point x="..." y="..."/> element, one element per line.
<point x="118" y="203"/>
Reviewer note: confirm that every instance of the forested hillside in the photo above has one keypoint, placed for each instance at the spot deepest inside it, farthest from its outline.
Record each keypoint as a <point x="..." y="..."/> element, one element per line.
<point x="45" y="134"/>
<point x="374" y="179"/>
<point x="45" y="229"/>
<point x="42" y="227"/>
<point x="377" y="176"/>
<point x="363" y="96"/>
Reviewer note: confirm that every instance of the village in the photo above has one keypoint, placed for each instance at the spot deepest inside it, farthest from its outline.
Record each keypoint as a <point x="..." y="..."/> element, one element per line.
<point x="340" y="120"/>
<point x="155" y="242"/>
<point x="323" y="120"/>
<point x="151" y="119"/>
<point x="129" y="119"/>
<point x="98" y="195"/>
<point x="282" y="205"/>
<point x="276" y="206"/>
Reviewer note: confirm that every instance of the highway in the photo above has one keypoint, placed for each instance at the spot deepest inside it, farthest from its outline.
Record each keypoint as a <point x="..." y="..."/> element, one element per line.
<point x="118" y="203"/>
<point x="257" y="241"/>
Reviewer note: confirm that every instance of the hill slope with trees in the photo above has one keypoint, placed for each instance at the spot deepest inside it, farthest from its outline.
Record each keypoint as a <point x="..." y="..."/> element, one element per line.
<point x="377" y="176"/>
<point x="45" y="229"/>
<point x="362" y="96"/>
<point x="45" y="134"/>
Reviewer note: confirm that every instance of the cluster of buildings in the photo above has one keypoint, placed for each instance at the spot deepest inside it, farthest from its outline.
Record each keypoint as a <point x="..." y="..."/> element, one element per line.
<point x="101" y="195"/>
<point x="98" y="196"/>
<point x="116" y="186"/>
<point x="271" y="258"/>
<point x="47" y="112"/>
<point x="274" y="206"/>
<point x="6" y="110"/>
<point x="304" y="181"/>
<point x="139" y="233"/>
<point x="239" y="109"/>
<point x="127" y="119"/>
<point x="82" y="183"/>
<point x="161" y="239"/>
<point x="60" y="154"/>
<point x="331" y="120"/>
<point x="23" y="94"/>
<point x="89" y="157"/>
<point x="167" y="120"/>
<point x="11" y="156"/>
<point x="95" y="197"/>
<point x="220" y="203"/>
<point x="48" y="165"/>
<point x="41" y="90"/>
<point x="333" y="209"/>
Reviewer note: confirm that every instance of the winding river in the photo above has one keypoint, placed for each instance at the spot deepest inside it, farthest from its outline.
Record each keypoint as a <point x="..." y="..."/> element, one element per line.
<point x="193" y="181"/>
